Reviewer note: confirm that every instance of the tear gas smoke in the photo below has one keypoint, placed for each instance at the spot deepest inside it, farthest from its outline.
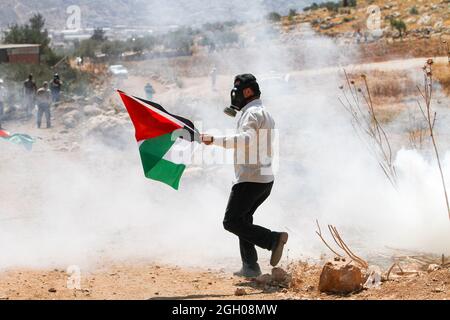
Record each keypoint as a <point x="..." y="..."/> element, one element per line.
<point x="86" y="207"/>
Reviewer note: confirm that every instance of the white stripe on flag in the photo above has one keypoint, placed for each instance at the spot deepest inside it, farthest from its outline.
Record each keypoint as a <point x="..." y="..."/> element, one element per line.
<point x="180" y="152"/>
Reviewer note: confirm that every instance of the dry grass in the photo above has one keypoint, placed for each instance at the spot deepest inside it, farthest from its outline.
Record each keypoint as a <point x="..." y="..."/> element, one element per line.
<point x="388" y="90"/>
<point x="355" y="18"/>
<point x="384" y="50"/>
<point x="420" y="285"/>
<point x="442" y="74"/>
<point x="388" y="84"/>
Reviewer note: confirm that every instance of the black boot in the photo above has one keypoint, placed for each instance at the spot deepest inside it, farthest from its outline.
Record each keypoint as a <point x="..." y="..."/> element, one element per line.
<point x="249" y="271"/>
<point x="277" y="248"/>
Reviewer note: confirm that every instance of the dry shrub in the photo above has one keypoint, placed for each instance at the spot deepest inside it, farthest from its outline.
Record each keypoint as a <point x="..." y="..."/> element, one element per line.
<point x="442" y="74"/>
<point x="389" y="84"/>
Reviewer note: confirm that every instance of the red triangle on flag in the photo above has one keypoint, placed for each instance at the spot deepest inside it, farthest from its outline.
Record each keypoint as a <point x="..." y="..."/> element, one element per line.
<point x="147" y="122"/>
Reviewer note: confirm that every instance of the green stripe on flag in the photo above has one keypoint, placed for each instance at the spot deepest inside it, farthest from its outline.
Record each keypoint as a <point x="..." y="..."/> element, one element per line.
<point x="155" y="167"/>
<point x="21" y="139"/>
<point x="168" y="172"/>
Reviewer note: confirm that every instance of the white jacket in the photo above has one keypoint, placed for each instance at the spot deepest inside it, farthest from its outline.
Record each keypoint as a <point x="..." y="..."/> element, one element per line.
<point x="252" y="144"/>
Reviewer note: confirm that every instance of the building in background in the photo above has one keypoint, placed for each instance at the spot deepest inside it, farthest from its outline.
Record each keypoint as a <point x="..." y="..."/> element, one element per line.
<point x="20" y="53"/>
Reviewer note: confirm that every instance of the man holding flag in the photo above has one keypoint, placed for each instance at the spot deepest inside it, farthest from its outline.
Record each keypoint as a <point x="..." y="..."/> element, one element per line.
<point x="254" y="179"/>
<point x="161" y="134"/>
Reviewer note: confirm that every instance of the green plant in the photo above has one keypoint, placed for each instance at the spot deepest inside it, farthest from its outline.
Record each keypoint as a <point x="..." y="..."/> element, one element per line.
<point x="99" y="35"/>
<point x="399" y="25"/>
<point x="274" y="16"/>
<point x="33" y="32"/>
<point x="331" y="5"/>
<point x="413" y="10"/>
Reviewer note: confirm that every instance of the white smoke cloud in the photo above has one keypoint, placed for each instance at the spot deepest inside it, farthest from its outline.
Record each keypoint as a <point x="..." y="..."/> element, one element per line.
<point x="87" y="207"/>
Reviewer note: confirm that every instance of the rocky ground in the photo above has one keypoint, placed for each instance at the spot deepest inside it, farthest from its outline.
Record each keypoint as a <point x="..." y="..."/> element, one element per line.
<point x="151" y="281"/>
<point x="100" y="115"/>
<point x="424" y="19"/>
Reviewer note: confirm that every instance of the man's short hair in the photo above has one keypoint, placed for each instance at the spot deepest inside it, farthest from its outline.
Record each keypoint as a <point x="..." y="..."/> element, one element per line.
<point x="247" y="80"/>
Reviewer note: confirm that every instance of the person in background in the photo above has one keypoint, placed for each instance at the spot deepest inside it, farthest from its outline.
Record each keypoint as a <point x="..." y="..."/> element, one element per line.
<point x="29" y="93"/>
<point x="149" y="91"/>
<point x="55" y="88"/>
<point x="3" y="95"/>
<point x="44" y="100"/>
<point x="213" y="75"/>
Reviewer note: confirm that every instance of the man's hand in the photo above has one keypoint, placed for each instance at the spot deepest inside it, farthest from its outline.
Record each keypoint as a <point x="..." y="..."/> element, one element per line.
<point x="206" y="139"/>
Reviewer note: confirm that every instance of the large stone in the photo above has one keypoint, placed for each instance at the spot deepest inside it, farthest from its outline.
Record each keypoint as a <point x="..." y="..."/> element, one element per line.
<point x="91" y="110"/>
<point x="71" y="119"/>
<point x="112" y="130"/>
<point x="341" y="277"/>
<point x="424" y="20"/>
<point x="279" y="275"/>
<point x="264" y="279"/>
<point x="240" y="292"/>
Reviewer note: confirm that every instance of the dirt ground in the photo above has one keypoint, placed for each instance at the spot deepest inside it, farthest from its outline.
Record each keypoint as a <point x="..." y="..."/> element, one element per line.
<point x="151" y="281"/>
<point x="147" y="280"/>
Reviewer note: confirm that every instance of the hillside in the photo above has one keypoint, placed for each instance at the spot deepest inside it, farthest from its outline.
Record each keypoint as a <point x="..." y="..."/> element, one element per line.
<point x="423" y="19"/>
<point x="106" y="13"/>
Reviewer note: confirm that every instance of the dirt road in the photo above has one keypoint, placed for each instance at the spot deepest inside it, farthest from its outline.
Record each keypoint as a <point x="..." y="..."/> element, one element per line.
<point x="150" y="281"/>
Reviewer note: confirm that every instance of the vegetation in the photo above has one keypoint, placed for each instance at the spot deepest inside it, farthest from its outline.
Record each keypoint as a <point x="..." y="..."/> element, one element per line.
<point x="33" y="33"/>
<point x="274" y="16"/>
<point x="413" y="10"/>
<point x="213" y="35"/>
<point x="292" y="14"/>
<point x="75" y="81"/>
<point x="99" y="43"/>
<point x="99" y="35"/>
<point x="331" y="5"/>
<point x="398" y="25"/>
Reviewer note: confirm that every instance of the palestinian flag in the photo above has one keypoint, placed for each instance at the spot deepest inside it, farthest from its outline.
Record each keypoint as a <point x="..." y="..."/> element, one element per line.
<point x="165" y="140"/>
<point x="18" y="138"/>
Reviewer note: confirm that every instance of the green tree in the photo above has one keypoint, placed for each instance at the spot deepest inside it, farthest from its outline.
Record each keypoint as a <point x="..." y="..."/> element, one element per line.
<point x="99" y="35"/>
<point x="87" y="48"/>
<point x="414" y="10"/>
<point x="292" y="14"/>
<point x="399" y="25"/>
<point x="274" y="16"/>
<point x="33" y="32"/>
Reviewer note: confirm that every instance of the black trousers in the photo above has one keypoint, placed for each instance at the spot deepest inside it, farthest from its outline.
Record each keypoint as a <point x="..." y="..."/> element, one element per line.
<point x="244" y="199"/>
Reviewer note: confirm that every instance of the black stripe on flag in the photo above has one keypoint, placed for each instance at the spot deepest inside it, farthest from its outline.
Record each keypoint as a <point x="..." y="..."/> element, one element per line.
<point x="188" y="124"/>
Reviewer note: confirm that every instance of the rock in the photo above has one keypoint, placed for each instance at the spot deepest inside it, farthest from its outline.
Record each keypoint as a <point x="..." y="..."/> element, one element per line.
<point x="240" y="292"/>
<point x="75" y="147"/>
<point x="113" y="130"/>
<point x="279" y="275"/>
<point x="70" y="120"/>
<point x="341" y="277"/>
<point x="374" y="277"/>
<point x="65" y="108"/>
<point x="91" y="110"/>
<point x="309" y="288"/>
<point x="424" y="20"/>
<point x="438" y="25"/>
<point x="52" y="290"/>
<point x="264" y="279"/>
<point x="433" y="267"/>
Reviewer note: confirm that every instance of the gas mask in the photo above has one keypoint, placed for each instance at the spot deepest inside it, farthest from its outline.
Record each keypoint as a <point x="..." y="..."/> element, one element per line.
<point x="237" y="101"/>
